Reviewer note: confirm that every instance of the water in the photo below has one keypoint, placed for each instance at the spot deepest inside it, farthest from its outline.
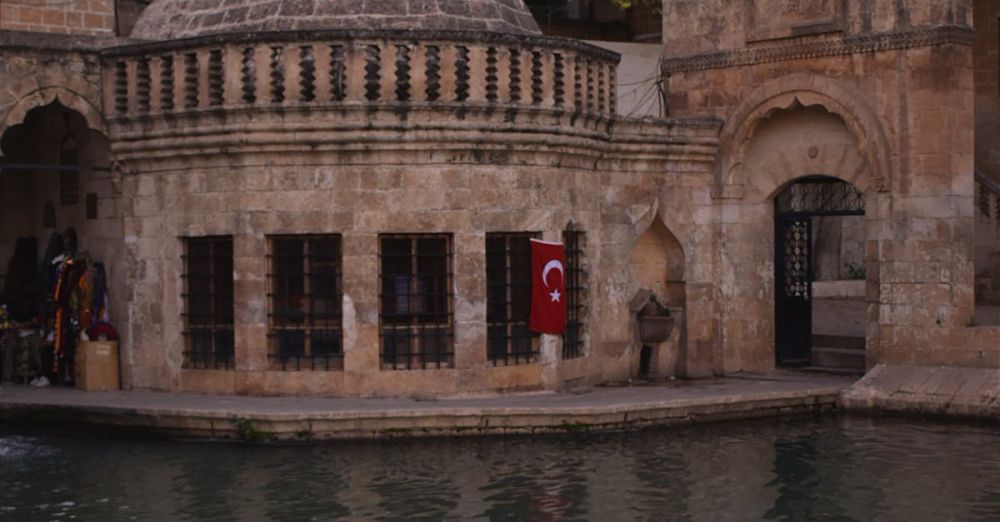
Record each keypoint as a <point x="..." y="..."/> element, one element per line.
<point x="812" y="468"/>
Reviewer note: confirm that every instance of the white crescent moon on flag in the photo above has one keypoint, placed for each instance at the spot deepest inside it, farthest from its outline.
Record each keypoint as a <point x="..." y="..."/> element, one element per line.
<point x="555" y="264"/>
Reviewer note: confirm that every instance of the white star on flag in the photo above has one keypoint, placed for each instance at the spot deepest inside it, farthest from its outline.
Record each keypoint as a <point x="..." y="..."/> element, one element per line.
<point x="555" y="296"/>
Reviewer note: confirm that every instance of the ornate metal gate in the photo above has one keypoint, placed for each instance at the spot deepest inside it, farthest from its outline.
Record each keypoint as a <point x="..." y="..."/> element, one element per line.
<point x="794" y="209"/>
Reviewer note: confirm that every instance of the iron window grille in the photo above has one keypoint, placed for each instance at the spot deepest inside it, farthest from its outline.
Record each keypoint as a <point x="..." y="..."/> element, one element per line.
<point x="305" y="320"/>
<point x="208" y="302"/>
<point x="508" y="299"/>
<point x="576" y="294"/>
<point x="416" y="327"/>
<point x="820" y="195"/>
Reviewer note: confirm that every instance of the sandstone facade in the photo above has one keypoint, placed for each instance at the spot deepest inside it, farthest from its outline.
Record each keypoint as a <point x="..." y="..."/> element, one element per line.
<point x="898" y="83"/>
<point x="364" y="133"/>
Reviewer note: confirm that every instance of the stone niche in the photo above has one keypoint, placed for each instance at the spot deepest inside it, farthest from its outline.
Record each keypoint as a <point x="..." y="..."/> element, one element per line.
<point x="777" y="19"/>
<point x="657" y="264"/>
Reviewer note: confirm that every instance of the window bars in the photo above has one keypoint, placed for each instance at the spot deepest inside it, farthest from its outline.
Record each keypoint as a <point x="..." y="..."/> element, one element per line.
<point x="576" y="294"/>
<point x="208" y="302"/>
<point x="819" y="195"/>
<point x="305" y="330"/>
<point x="508" y="299"/>
<point x="415" y="297"/>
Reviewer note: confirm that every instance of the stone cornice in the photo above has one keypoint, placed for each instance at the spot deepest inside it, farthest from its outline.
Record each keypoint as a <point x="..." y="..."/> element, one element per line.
<point x="357" y="135"/>
<point x="864" y="43"/>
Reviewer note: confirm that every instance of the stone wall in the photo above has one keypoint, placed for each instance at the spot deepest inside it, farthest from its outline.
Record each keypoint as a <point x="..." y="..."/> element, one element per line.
<point x="900" y="79"/>
<point x="247" y="141"/>
<point x="362" y="196"/>
<point x="250" y="201"/>
<point x="94" y="17"/>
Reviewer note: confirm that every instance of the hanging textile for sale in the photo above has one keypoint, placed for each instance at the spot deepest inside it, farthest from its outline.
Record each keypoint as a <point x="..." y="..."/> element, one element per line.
<point x="74" y="303"/>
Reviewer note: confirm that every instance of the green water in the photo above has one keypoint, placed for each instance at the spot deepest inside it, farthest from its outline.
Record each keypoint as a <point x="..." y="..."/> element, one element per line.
<point x="813" y="468"/>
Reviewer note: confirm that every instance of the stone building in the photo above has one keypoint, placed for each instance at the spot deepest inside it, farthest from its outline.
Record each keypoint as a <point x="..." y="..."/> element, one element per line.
<point x="299" y="197"/>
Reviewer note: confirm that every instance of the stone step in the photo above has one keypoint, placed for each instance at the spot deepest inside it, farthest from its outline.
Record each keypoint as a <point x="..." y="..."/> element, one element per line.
<point x="838" y="341"/>
<point x="848" y="358"/>
<point x="837" y="371"/>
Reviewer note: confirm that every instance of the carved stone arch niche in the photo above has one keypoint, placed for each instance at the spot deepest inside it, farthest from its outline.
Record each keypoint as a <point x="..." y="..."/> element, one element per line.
<point x="45" y="96"/>
<point x="800" y="141"/>
<point x="657" y="263"/>
<point x="793" y="93"/>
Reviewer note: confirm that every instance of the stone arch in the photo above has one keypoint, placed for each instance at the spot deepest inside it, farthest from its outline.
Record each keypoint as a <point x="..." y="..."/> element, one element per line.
<point x="657" y="264"/>
<point x="801" y="141"/>
<point x="805" y="90"/>
<point x="44" y="96"/>
<point x="657" y="260"/>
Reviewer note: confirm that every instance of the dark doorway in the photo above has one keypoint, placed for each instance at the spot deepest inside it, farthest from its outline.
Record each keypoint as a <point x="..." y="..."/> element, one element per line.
<point x="645" y="359"/>
<point x="795" y="208"/>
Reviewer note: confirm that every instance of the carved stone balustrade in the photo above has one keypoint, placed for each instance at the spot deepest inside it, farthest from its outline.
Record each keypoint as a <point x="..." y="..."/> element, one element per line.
<point x="232" y="83"/>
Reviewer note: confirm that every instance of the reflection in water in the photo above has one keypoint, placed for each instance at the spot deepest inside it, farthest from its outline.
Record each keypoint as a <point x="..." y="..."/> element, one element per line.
<point x="823" y="468"/>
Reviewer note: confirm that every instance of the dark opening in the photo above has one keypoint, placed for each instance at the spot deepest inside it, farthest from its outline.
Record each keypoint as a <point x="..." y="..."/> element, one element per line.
<point x="645" y="357"/>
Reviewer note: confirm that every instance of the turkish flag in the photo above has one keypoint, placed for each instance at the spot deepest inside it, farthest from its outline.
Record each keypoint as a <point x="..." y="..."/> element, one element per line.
<point x="548" y="287"/>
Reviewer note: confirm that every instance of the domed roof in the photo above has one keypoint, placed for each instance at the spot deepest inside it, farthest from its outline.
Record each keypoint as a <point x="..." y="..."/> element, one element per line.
<point x="170" y="19"/>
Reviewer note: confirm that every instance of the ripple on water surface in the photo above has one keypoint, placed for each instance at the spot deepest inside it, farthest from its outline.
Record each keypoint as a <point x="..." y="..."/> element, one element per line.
<point x="812" y="468"/>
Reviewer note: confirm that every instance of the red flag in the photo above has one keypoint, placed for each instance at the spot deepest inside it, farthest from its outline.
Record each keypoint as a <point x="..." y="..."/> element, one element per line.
<point x="548" y="287"/>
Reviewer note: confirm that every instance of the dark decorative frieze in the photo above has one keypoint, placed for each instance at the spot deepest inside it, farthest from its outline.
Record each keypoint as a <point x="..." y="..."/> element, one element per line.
<point x="864" y="43"/>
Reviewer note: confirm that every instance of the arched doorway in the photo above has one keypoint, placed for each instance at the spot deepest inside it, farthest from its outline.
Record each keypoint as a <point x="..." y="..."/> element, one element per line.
<point x="58" y="202"/>
<point x="805" y="210"/>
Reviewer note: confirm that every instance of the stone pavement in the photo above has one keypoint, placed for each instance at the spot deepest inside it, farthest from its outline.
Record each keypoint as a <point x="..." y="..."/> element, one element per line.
<point x="928" y="390"/>
<point x="317" y="418"/>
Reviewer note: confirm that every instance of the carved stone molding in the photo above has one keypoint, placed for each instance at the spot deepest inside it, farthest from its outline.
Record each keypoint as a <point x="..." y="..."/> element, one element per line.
<point x="865" y="43"/>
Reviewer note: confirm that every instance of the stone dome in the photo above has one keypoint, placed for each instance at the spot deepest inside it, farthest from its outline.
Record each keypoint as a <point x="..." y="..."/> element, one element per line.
<point x="171" y="19"/>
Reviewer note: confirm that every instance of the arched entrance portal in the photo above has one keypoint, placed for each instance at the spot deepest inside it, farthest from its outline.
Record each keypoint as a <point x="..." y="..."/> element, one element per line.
<point x="808" y="213"/>
<point x="59" y="222"/>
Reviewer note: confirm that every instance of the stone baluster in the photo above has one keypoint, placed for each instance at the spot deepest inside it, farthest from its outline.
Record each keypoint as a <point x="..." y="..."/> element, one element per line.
<point x="233" y="82"/>
<point x="155" y="84"/>
<point x="257" y="73"/>
<point x="366" y="72"/>
<point x="277" y="86"/>
<point x="502" y="66"/>
<point x="447" y="73"/>
<point x="322" y="62"/>
<point x="171" y="81"/>
<point x="462" y="73"/>
<point x="202" y="78"/>
<point x="518" y="79"/>
<point x="354" y="68"/>
<point x="477" y="74"/>
<point x="578" y="85"/>
<point x="189" y="80"/>
<point x="558" y="80"/>
<point x="130" y="104"/>
<point x="385" y="81"/>
<point x="364" y="59"/>
<point x="612" y="89"/>
<point x="602" y="88"/>
<point x="291" y="71"/>
<point x="216" y="78"/>
<point x="395" y="86"/>
<point x="418" y="73"/>
<point x="117" y="87"/>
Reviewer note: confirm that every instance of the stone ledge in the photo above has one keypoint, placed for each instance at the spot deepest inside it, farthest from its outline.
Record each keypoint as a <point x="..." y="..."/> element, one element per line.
<point x="262" y="419"/>
<point x="927" y="390"/>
